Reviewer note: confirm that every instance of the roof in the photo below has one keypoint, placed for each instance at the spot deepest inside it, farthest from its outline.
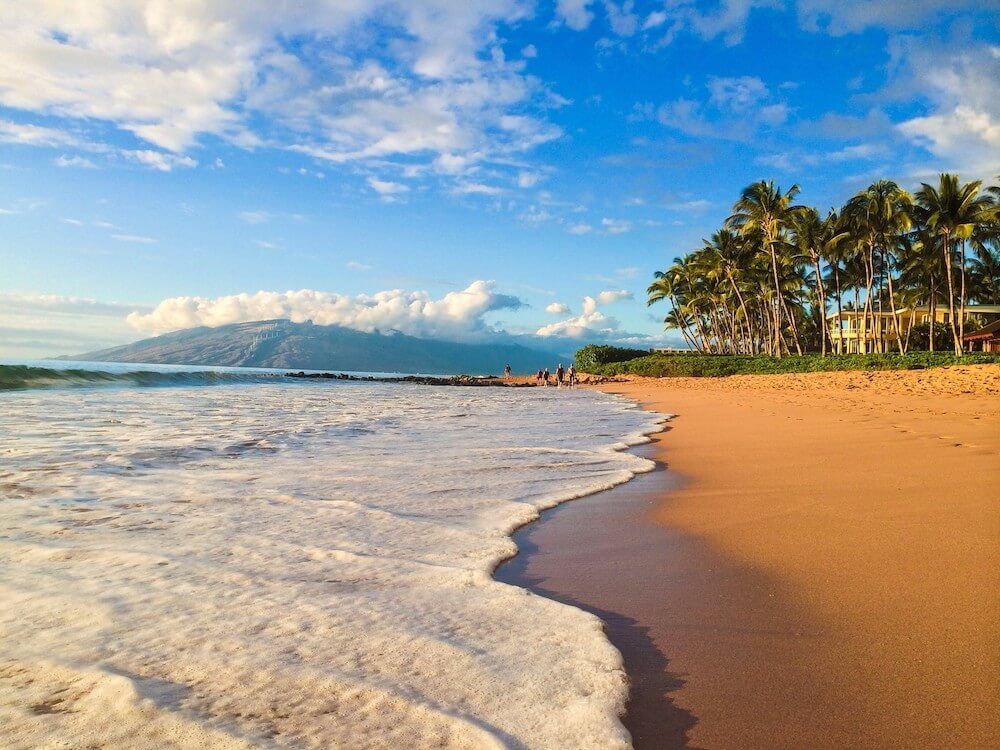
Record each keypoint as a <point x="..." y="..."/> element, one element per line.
<point x="986" y="332"/>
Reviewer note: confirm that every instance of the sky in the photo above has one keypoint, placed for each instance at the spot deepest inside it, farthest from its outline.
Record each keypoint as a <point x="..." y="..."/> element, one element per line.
<point x="459" y="169"/>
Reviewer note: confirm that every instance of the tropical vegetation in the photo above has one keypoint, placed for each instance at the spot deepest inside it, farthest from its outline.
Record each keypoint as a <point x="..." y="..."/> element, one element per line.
<point x="764" y="283"/>
<point x="661" y="364"/>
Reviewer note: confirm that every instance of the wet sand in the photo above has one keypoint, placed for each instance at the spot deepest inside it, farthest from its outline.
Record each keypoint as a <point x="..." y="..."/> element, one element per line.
<point x="817" y="567"/>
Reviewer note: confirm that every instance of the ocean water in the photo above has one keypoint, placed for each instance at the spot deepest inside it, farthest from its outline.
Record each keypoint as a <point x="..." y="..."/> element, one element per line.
<point x="297" y="564"/>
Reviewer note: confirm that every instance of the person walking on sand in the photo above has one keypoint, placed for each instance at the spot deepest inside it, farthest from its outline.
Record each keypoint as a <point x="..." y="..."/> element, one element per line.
<point x="506" y="371"/>
<point x="538" y="378"/>
<point x="560" y="372"/>
<point x="545" y="376"/>
<point x="571" y="373"/>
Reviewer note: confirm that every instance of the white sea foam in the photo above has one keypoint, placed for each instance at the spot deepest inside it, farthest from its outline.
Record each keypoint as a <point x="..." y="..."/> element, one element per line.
<point x="300" y="565"/>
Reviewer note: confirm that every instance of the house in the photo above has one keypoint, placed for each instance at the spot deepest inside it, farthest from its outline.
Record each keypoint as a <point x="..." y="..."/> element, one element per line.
<point x="986" y="339"/>
<point x="880" y="332"/>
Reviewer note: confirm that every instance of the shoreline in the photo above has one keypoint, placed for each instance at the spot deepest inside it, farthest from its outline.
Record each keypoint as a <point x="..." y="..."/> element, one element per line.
<point x="783" y="602"/>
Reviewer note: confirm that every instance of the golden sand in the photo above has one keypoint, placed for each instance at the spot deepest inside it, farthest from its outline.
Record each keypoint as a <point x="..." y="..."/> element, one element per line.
<point x="843" y="531"/>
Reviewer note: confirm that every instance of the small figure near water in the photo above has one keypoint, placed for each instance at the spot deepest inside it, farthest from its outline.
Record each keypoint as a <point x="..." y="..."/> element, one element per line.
<point x="506" y="371"/>
<point x="545" y="376"/>
<point x="560" y="373"/>
<point x="571" y="373"/>
<point x="538" y="378"/>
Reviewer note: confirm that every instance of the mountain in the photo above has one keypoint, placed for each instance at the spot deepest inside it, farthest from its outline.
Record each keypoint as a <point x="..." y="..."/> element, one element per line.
<point x="281" y="343"/>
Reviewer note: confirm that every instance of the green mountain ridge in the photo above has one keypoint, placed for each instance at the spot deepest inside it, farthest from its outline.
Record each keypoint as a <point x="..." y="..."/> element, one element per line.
<point x="282" y="343"/>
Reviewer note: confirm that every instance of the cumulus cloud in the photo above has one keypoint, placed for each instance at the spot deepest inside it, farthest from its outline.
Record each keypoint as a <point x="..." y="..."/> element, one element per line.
<point x="159" y="160"/>
<point x="456" y="315"/>
<point x="616" y="226"/>
<point x="609" y="296"/>
<point x="387" y="188"/>
<point x="34" y="135"/>
<point x="557" y="308"/>
<point x="80" y="162"/>
<point x="248" y="72"/>
<point x="575" y="13"/>
<point x="581" y="228"/>
<point x="962" y="126"/>
<point x="591" y="322"/>
<point x="735" y="109"/>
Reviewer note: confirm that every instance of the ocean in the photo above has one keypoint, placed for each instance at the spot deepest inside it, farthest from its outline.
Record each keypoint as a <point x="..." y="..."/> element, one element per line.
<point x="240" y="559"/>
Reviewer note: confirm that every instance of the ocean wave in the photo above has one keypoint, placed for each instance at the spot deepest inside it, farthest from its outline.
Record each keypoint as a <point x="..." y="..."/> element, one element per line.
<point x="309" y="566"/>
<point x="18" y="377"/>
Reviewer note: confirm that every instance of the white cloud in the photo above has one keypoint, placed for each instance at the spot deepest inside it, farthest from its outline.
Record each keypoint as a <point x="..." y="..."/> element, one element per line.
<point x="456" y="315"/>
<point x="591" y="322"/>
<point x="136" y="238"/>
<point x="477" y="188"/>
<point x="616" y="226"/>
<point x="610" y="296"/>
<point x="266" y="245"/>
<point x="355" y="265"/>
<point x="848" y="16"/>
<point x="159" y="160"/>
<point x="34" y="135"/>
<point x="387" y="189"/>
<point x="575" y="13"/>
<point x="581" y="228"/>
<point x="173" y="73"/>
<point x="557" y="308"/>
<point x="527" y="179"/>
<point x="736" y="108"/>
<point x="962" y="126"/>
<point x="74" y="161"/>
<point x="529" y="51"/>
<point x="738" y="94"/>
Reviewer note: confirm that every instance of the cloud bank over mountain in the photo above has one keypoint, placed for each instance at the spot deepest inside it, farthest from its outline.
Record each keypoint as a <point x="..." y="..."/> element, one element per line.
<point x="456" y="316"/>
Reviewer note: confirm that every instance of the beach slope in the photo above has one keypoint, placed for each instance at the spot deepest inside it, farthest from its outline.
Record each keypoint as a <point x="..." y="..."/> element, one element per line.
<point x="849" y="528"/>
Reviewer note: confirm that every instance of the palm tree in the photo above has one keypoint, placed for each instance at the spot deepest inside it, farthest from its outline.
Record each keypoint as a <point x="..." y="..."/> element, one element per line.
<point x="954" y="212"/>
<point x="878" y="215"/>
<point x="728" y="256"/>
<point x="984" y="276"/>
<point x="762" y="214"/>
<point x="814" y="238"/>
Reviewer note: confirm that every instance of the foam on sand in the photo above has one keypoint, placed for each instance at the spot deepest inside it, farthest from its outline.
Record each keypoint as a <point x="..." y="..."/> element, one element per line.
<point x="298" y="565"/>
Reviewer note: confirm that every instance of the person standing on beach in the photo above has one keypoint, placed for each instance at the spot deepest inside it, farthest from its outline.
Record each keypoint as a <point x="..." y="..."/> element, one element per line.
<point x="538" y="378"/>
<point x="571" y="373"/>
<point x="560" y="372"/>
<point x="506" y="371"/>
<point x="545" y="376"/>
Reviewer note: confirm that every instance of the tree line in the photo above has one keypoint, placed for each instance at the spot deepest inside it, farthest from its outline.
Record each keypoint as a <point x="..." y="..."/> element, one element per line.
<point x="765" y="282"/>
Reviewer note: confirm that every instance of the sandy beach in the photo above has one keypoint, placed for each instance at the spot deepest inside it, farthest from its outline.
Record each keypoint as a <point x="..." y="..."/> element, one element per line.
<point x="817" y="567"/>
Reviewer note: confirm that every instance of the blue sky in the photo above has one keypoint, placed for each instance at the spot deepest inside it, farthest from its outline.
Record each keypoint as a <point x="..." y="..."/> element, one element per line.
<point x="442" y="168"/>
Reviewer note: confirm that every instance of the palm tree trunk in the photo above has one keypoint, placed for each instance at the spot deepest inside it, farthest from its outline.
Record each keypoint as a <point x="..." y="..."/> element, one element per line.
<point x="932" y="309"/>
<point x="822" y="302"/>
<point x="892" y="306"/>
<point x="951" y="297"/>
<point x="961" y="302"/>
<point x="778" y="299"/>
<point x="840" y="310"/>
<point x="869" y="264"/>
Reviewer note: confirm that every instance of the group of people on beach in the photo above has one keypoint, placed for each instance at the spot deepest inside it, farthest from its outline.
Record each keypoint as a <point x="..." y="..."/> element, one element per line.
<point x="563" y="376"/>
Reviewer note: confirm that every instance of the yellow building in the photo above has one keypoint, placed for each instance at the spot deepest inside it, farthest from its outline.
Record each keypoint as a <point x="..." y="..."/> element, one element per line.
<point x="847" y="336"/>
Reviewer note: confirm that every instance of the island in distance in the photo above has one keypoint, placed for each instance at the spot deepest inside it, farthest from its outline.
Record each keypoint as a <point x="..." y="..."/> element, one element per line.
<point x="282" y="343"/>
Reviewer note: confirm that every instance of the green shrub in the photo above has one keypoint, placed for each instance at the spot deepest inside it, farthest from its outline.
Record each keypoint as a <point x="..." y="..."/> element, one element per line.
<point x="597" y="355"/>
<point x="660" y="365"/>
